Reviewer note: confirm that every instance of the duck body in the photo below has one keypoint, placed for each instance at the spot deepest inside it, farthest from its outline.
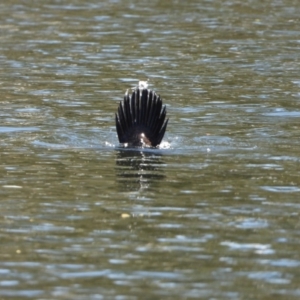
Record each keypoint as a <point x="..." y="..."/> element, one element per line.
<point x="141" y="118"/>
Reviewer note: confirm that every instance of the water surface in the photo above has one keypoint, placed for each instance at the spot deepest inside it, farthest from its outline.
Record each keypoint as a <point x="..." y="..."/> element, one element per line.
<point x="213" y="215"/>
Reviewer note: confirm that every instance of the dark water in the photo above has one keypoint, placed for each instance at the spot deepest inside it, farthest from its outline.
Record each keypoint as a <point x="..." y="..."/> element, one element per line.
<point x="213" y="215"/>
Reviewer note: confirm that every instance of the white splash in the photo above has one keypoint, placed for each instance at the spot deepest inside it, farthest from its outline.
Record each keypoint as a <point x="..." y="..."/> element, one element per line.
<point x="164" y="145"/>
<point x="143" y="84"/>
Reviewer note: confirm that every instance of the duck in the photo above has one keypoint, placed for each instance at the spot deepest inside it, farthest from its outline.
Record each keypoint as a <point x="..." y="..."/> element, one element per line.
<point x="141" y="118"/>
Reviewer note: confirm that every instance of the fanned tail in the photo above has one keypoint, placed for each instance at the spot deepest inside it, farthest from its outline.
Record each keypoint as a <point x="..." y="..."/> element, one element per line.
<point x="141" y="119"/>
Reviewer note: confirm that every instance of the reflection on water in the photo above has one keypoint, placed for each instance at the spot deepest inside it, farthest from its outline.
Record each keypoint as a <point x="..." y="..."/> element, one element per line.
<point x="137" y="169"/>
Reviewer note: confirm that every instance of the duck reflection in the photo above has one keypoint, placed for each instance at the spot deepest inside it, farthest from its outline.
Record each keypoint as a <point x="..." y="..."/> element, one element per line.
<point x="137" y="170"/>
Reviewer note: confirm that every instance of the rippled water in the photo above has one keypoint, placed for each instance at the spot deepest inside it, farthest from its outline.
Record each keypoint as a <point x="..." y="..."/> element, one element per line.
<point x="214" y="215"/>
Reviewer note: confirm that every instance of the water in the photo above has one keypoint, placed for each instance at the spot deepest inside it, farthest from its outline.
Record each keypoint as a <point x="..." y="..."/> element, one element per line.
<point x="213" y="215"/>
